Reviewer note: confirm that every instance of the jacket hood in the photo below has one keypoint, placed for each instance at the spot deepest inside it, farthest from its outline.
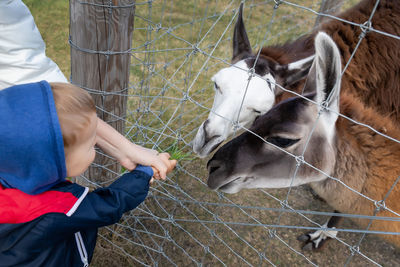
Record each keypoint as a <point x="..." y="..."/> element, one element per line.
<point x="31" y="144"/>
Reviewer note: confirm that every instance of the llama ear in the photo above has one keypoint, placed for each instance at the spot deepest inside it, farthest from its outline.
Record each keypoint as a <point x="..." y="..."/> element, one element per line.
<point x="325" y="74"/>
<point x="241" y="44"/>
<point x="288" y="74"/>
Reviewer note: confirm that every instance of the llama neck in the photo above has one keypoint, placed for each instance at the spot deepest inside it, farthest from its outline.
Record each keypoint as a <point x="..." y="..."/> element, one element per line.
<point x="365" y="161"/>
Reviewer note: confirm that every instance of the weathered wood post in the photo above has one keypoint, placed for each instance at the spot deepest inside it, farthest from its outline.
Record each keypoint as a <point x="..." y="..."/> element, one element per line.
<point x="328" y="7"/>
<point x="100" y="39"/>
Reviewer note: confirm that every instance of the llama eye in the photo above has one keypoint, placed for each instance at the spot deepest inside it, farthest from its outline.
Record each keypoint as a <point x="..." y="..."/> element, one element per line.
<point x="256" y="111"/>
<point x="269" y="83"/>
<point x="216" y="87"/>
<point x="282" y="142"/>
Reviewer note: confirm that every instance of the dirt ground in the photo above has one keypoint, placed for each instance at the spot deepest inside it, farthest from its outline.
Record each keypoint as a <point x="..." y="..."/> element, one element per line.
<point x="184" y="242"/>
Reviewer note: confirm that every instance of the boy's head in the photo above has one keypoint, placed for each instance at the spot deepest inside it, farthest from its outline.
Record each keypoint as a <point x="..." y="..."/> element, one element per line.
<point x="78" y="121"/>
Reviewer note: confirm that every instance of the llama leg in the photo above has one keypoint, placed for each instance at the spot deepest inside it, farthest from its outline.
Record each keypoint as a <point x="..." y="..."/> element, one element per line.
<point x="315" y="240"/>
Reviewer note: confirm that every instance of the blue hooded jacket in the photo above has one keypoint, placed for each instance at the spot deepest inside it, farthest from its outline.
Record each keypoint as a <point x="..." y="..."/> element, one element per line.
<point x="44" y="219"/>
<point x="31" y="144"/>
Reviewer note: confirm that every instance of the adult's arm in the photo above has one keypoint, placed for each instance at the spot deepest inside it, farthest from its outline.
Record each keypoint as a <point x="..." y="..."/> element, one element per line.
<point x="22" y="50"/>
<point x="130" y="154"/>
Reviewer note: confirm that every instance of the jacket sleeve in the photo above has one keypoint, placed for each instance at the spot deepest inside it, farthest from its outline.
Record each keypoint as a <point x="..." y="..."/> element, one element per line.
<point x="105" y="206"/>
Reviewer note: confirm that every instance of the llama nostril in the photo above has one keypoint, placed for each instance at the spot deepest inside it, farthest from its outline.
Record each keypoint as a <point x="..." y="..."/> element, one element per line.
<point x="213" y="169"/>
<point x="213" y="165"/>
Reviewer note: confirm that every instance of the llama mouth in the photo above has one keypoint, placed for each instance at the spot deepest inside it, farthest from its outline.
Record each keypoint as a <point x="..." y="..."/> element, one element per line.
<point x="211" y="144"/>
<point x="208" y="146"/>
<point x="227" y="186"/>
<point x="214" y="147"/>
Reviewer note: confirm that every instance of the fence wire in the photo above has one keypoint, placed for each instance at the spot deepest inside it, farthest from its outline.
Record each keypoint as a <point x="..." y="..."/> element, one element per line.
<point x="177" y="47"/>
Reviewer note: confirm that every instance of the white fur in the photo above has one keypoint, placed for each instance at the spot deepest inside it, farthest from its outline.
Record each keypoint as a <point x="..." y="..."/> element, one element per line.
<point x="281" y="182"/>
<point x="329" y="116"/>
<point x="299" y="64"/>
<point x="318" y="236"/>
<point x="233" y="82"/>
<point x="277" y="182"/>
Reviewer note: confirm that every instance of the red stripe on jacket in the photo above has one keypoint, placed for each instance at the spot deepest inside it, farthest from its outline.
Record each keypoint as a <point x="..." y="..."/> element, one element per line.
<point x="19" y="207"/>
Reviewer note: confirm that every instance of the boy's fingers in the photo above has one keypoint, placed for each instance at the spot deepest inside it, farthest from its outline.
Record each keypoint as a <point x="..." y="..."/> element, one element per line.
<point x="162" y="169"/>
<point x="164" y="165"/>
<point x="157" y="175"/>
<point x="169" y="163"/>
<point x="151" y="181"/>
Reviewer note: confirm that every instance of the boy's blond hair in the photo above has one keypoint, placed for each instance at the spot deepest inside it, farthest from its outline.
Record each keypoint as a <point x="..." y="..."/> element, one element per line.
<point x="74" y="109"/>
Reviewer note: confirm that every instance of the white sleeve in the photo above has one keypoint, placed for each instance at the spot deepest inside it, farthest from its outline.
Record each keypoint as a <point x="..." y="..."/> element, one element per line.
<point x="22" y="50"/>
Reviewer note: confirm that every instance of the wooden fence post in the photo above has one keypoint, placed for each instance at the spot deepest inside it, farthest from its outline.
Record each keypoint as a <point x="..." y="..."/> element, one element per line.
<point x="328" y="7"/>
<point x="100" y="39"/>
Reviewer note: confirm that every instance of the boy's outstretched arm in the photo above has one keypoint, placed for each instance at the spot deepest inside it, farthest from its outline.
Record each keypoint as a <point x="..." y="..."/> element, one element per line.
<point x="129" y="154"/>
<point x="103" y="206"/>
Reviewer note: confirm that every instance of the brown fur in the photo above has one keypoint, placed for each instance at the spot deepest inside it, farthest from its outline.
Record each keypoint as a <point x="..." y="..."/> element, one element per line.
<point x="373" y="74"/>
<point x="367" y="162"/>
<point x="370" y="93"/>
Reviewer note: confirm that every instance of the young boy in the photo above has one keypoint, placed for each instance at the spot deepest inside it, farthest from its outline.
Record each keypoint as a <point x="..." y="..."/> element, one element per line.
<point x="48" y="133"/>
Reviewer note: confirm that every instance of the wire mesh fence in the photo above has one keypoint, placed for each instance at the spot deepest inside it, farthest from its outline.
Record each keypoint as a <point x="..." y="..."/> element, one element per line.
<point x="177" y="46"/>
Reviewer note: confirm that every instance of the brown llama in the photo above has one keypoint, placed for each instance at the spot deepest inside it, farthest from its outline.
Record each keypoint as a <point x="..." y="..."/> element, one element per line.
<point x="373" y="73"/>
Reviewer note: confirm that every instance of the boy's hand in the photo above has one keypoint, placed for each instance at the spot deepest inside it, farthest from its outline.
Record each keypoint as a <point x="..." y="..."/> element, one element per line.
<point x="163" y="167"/>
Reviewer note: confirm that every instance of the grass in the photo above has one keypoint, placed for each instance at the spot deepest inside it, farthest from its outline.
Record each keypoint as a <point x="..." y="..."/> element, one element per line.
<point x="177" y="152"/>
<point x="159" y="116"/>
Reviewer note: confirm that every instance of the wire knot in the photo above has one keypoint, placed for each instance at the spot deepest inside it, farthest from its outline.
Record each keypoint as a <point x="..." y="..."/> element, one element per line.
<point x="251" y="72"/>
<point x="158" y="27"/>
<point x="354" y="250"/>
<point x="272" y="233"/>
<point x="365" y="28"/>
<point x="299" y="160"/>
<point x="277" y="3"/>
<point x="284" y="204"/>
<point x="323" y="106"/>
<point x="261" y="255"/>
<point x="380" y="205"/>
<point x="185" y="97"/>
<point x="167" y="235"/>
<point x="171" y="218"/>
<point x="235" y="125"/>
<point x="195" y="48"/>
